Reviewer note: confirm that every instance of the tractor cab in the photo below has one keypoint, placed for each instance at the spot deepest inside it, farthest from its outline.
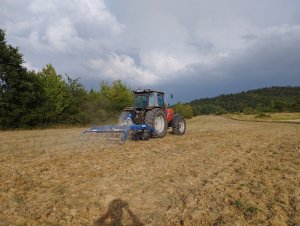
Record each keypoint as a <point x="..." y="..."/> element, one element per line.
<point x="148" y="99"/>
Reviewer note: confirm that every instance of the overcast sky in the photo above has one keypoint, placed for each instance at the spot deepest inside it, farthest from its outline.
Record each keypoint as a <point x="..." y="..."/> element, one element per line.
<point x="191" y="48"/>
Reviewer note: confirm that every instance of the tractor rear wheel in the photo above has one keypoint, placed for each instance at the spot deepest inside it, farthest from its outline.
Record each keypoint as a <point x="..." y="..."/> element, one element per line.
<point x="156" y="118"/>
<point x="178" y="125"/>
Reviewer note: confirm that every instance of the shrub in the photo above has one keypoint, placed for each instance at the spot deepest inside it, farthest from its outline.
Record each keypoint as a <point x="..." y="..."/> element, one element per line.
<point x="185" y="110"/>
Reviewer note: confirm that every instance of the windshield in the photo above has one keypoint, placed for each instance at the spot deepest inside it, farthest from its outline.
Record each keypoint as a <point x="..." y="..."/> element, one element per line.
<point x="141" y="101"/>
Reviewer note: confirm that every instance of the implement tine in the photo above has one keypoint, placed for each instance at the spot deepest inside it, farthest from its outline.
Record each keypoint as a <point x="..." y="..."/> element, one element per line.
<point x="119" y="134"/>
<point x="113" y="134"/>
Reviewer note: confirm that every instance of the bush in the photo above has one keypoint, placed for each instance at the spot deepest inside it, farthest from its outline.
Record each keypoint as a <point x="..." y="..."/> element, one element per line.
<point x="185" y="110"/>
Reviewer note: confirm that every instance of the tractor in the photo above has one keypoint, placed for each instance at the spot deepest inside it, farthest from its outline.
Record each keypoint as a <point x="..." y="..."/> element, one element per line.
<point x="151" y="109"/>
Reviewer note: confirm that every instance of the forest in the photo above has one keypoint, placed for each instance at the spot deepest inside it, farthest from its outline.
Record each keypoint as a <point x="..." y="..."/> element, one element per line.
<point x="272" y="99"/>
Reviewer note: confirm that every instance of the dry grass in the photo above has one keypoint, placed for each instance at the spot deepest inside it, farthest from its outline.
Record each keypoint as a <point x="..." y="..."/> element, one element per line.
<point x="222" y="172"/>
<point x="271" y="117"/>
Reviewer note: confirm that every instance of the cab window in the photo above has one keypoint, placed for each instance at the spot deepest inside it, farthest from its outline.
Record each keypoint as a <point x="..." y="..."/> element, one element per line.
<point x="160" y="100"/>
<point x="141" y="101"/>
<point x="151" y="100"/>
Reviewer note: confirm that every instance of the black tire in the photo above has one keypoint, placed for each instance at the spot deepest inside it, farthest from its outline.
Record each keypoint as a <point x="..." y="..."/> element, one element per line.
<point x="123" y="118"/>
<point x="156" y="118"/>
<point x="178" y="125"/>
<point x="146" y="135"/>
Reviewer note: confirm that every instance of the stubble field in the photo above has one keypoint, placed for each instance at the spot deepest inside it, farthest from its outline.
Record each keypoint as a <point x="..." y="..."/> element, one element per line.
<point x="222" y="172"/>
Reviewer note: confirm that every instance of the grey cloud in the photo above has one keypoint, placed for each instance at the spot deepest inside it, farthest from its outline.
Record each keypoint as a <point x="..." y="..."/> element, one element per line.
<point x="190" y="48"/>
<point x="274" y="59"/>
<point x="203" y="47"/>
<point x="60" y="32"/>
<point x="249" y="37"/>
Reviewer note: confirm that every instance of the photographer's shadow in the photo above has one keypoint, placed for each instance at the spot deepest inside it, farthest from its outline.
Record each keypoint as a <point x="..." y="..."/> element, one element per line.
<point x="114" y="215"/>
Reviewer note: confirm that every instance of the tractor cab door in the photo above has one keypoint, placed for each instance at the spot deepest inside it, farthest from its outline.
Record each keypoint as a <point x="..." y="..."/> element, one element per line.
<point x="160" y="100"/>
<point x="151" y="100"/>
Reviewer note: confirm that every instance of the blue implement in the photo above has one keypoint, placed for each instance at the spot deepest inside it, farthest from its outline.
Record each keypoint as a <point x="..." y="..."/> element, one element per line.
<point x="120" y="132"/>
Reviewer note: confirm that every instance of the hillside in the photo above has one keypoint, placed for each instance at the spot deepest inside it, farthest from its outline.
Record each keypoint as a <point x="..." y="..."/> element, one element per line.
<point x="273" y="99"/>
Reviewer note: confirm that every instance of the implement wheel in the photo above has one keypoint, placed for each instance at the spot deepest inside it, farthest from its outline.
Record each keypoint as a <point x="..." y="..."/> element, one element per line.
<point x="156" y="118"/>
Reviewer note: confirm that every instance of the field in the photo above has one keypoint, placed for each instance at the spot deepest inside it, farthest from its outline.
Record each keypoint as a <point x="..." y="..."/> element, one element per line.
<point x="273" y="117"/>
<point x="222" y="172"/>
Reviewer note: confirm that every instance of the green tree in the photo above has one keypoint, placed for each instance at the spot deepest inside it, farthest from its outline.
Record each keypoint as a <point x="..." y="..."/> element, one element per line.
<point x="96" y="108"/>
<point x="280" y="106"/>
<point x="296" y="106"/>
<point x="248" y="110"/>
<point x="118" y="93"/>
<point x="56" y="95"/>
<point x="185" y="110"/>
<point x="77" y="97"/>
<point x="20" y="90"/>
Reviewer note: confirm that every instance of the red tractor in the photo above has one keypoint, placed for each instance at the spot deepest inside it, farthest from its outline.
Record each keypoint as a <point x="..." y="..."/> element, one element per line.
<point x="150" y="109"/>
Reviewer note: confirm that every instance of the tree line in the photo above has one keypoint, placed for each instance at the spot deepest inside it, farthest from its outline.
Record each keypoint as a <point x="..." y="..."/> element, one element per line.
<point x="41" y="99"/>
<point x="272" y="99"/>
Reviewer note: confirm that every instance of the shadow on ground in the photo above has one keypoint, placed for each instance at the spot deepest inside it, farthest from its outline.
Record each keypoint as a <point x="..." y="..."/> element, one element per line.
<point x="115" y="215"/>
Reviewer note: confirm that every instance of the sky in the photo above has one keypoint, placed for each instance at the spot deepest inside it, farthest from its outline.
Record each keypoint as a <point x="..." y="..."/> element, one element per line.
<point x="190" y="48"/>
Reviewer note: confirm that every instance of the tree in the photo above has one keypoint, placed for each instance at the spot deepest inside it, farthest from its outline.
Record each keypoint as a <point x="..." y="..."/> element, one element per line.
<point x="96" y="108"/>
<point x="77" y="97"/>
<point x="296" y="106"/>
<point x="20" y="90"/>
<point x="56" y="95"/>
<point x="118" y="93"/>
<point x="185" y="110"/>
<point x="280" y="106"/>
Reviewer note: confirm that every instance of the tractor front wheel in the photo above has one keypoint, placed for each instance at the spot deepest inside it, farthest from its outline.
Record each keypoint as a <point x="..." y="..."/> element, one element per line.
<point x="156" y="118"/>
<point x="178" y="125"/>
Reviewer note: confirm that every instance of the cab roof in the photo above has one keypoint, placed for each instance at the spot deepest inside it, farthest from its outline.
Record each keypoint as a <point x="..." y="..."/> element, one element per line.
<point x="146" y="91"/>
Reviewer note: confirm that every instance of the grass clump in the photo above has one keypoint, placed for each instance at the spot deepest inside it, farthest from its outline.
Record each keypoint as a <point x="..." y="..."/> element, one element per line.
<point x="248" y="210"/>
<point x="19" y="199"/>
<point x="251" y="209"/>
<point x="263" y="115"/>
<point x="238" y="204"/>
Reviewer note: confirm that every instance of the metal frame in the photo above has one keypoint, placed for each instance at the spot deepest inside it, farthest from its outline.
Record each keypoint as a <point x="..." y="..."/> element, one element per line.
<point x="122" y="131"/>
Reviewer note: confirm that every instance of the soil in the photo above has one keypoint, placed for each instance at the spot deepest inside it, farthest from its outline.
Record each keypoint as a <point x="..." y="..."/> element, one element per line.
<point x="221" y="172"/>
